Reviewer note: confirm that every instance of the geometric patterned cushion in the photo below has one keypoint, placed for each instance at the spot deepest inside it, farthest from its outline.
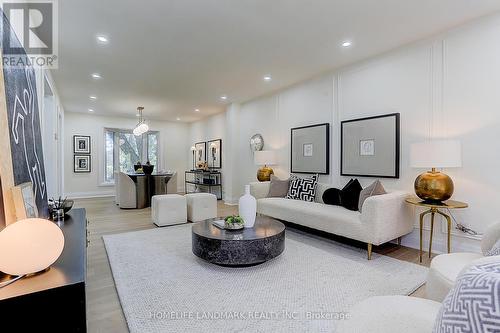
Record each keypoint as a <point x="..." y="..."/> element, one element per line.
<point x="495" y="250"/>
<point x="473" y="305"/>
<point x="302" y="188"/>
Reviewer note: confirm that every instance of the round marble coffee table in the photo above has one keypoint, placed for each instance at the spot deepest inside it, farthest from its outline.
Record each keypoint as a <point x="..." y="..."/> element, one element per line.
<point x="250" y="246"/>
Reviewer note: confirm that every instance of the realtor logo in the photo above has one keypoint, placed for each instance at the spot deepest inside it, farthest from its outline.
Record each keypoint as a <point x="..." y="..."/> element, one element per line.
<point x="30" y="31"/>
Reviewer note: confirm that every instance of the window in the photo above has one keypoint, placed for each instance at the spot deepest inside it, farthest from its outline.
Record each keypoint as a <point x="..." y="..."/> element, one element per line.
<point x="123" y="149"/>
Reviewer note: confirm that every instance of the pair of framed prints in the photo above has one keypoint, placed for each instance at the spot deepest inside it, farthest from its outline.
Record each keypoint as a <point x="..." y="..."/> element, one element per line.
<point x="81" y="149"/>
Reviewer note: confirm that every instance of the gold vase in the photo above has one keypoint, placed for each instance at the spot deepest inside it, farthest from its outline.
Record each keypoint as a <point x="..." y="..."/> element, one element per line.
<point x="434" y="186"/>
<point x="264" y="174"/>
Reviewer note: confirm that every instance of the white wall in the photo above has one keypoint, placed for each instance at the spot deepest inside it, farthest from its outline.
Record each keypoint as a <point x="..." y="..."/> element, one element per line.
<point x="444" y="87"/>
<point x="51" y="118"/>
<point x="174" y="150"/>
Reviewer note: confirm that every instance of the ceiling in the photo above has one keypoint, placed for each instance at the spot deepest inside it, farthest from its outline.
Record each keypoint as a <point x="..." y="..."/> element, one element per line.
<point x="174" y="56"/>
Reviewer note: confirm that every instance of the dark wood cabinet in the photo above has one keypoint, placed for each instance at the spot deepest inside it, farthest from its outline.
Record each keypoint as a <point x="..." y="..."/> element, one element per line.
<point x="53" y="300"/>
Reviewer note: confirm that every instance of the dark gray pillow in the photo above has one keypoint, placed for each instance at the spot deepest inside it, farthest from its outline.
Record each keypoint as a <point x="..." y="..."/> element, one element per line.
<point x="375" y="188"/>
<point x="278" y="188"/>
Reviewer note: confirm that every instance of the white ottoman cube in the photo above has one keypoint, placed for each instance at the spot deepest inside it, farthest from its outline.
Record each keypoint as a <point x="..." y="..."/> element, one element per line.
<point x="201" y="206"/>
<point x="168" y="209"/>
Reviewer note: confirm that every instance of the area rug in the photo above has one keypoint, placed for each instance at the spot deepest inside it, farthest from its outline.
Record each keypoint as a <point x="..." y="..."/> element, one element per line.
<point x="163" y="287"/>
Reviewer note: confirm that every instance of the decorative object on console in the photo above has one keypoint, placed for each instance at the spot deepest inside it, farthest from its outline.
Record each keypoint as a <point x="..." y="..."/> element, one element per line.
<point x="56" y="209"/>
<point x="376" y="188"/>
<point x="331" y="196"/>
<point x="247" y="208"/>
<point x="278" y="188"/>
<point x="302" y="188"/>
<point x="29" y="246"/>
<point x="265" y="158"/>
<point x="256" y="142"/>
<point x="137" y="166"/>
<point x="370" y="146"/>
<point x="201" y="152"/>
<point x="215" y="156"/>
<point x="193" y="151"/>
<point x="349" y="195"/>
<point x="24" y="201"/>
<point x="141" y="127"/>
<point x="81" y="144"/>
<point x="310" y="149"/>
<point x="81" y="163"/>
<point x="435" y="186"/>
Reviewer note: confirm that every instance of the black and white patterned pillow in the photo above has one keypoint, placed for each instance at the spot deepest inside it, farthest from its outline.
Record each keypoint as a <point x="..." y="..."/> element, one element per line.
<point x="495" y="250"/>
<point x="302" y="188"/>
<point x="473" y="304"/>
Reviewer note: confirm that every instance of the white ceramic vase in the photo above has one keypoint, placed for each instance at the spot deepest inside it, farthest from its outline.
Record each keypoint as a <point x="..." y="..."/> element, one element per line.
<point x="248" y="208"/>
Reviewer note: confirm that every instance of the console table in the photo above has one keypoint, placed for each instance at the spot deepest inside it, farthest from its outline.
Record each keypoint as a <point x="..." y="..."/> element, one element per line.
<point x="53" y="300"/>
<point x="203" y="181"/>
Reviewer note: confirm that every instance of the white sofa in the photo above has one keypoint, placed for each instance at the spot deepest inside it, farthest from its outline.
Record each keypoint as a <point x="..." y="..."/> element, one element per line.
<point x="383" y="218"/>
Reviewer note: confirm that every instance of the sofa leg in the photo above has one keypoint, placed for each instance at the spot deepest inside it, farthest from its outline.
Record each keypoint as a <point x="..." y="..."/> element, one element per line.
<point x="399" y="240"/>
<point x="369" y="251"/>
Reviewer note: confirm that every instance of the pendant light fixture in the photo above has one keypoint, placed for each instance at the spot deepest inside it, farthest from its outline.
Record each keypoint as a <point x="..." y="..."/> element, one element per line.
<point x="141" y="127"/>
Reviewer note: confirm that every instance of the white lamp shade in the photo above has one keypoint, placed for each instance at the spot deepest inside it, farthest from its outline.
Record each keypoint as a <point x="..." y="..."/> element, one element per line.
<point x="436" y="154"/>
<point x="265" y="157"/>
<point x="29" y="246"/>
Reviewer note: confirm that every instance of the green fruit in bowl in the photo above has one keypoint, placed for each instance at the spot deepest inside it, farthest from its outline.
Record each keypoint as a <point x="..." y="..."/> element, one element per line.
<point x="234" y="221"/>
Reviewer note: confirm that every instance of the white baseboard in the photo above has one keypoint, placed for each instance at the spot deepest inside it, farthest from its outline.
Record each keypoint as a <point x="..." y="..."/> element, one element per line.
<point x="459" y="243"/>
<point x="87" y="195"/>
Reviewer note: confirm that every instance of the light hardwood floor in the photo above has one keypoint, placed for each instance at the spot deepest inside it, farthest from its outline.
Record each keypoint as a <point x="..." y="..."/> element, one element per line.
<point x="104" y="313"/>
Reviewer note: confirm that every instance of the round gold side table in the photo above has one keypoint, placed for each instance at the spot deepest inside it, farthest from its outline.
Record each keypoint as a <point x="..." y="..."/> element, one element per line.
<point x="433" y="210"/>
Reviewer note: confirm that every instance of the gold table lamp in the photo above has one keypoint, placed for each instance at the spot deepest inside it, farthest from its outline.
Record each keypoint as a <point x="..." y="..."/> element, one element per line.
<point x="264" y="158"/>
<point x="434" y="186"/>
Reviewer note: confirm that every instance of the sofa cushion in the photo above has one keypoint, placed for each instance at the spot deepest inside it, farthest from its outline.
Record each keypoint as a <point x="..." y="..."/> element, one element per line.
<point x="302" y="188"/>
<point x="349" y="195"/>
<point x="333" y="219"/>
<point x="332" y="196"/>
<point x="278" y="188"/>
<point x="376" y="188"/>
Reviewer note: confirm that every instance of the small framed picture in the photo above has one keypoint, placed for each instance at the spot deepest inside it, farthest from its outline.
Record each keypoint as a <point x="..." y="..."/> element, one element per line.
<point x="201" y="152"/>
<point x="367" y="147"/>
<point x="308" y="150"/>
<point x="215" y="154"/>
<point x="24" y="201"/>
<point x="81" y="144"/>
<point x="82" y="163"/>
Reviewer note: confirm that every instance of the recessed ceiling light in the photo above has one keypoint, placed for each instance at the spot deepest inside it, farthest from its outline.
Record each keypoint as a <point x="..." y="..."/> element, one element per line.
<point x="101" y="39"/>
<point x="96" y="76"/>
<point x="223" y="97"/>
<point x="196" y="110"/>
<point x="267" y="78"/>
<point x="93" y="97"/>
<point x="91" y="110"/>
<point x="346" y="43"/>
<point x="178" y="118"/>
